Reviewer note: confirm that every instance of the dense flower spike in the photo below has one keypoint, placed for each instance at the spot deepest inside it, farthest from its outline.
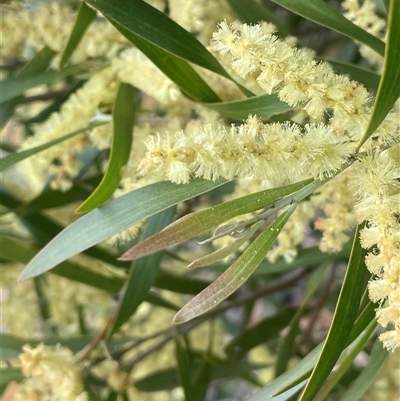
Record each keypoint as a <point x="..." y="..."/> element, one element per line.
<point x="375" y="181"/>
<point x="277" y="152"/>
<point x="298" y="79"/>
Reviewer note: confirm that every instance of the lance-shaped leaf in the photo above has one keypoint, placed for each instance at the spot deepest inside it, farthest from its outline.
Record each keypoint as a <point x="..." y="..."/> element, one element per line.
<point x="175" y="68"/>
<point x="154" y="26"/>
<point x="112" y="218"/>
<point x="263" y="106"/>
<point x="225" y="251"/>
<point x="14" y="158"/>
<point x="324" y="14"/>
<point x="123" y="117"/>
<point x="389" y="86"/>
<point x="229" y="281"/>
<point x="368" y="374"/>
<point x="195" y="223"/>
<point x="83" y="20"/>
<point x="345" y="314"/>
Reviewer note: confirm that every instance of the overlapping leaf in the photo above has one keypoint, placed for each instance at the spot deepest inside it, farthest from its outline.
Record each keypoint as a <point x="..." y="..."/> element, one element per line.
<point x="236" y="274"/>
<point x="110" y="219"/>
<point x="195" y="223"/>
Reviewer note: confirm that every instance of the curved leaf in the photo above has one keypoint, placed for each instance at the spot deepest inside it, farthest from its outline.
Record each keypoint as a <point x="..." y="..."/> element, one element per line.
<point x="83" y="20"/>
<point x="147" y="22"/>
<point x="368" y="374"/>
<point x="346" y="311"/>
<point x="123" y="116"/>
<point x="110" y="219"/>
<point x="264" y="107"/>
<point x="324" y="14"/>
<point x="389" y="86"/>
<point x="195" y="223"/>
<point x="175" y="68"/>
<point x="229" y="281"/>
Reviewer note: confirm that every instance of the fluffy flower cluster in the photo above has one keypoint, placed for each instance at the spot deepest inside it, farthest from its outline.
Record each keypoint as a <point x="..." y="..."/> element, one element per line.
<point x="277" y="152"/>
<point x="298" y="79"/>
<point x="375" y="180"/>
<point x="54" y="375"/>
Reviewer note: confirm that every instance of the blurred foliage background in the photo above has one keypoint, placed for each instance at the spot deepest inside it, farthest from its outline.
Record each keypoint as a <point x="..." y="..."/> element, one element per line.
<point x="84" y="84"/>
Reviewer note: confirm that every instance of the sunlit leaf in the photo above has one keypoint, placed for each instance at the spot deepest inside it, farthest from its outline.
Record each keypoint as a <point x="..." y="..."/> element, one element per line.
<point x="346" y="311"/>
<point x="123" y="117"/>
<point x="112" y="218"/>
<point x="389" y="86"/>
<point x="324" y="14"/>
<point x="195" y="223"/>
<point x="236" y="274"/>
<point x="83" y="20"/>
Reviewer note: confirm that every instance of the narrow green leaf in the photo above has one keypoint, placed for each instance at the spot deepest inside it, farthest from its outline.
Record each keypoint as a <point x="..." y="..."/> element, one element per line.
<point x="38" y="64"/>
<point x="368" y="374"/>
<point x="345" y="314"/>
<point x="44" y="229"/>
<point x="83" y="20"/>
<point x="14" y="158"/>
<point x="389" y="86"/>
<point x="175" y="68"/>
<point x="195" y="223"/>
<point x="143" y="273"/>
<point x="345" y="363"/>
<point x="229" y="281"/>
<point x="153" y="25"/>
<point x="16" y="86"/>
<point x="324" y="14"/>
<point x="297" y="375"/>
<point x="112" y="218"/>
<point x="263" y="106"/>
<point x="251" y="12"/>
<point x="368" y="78"/>
<point x="123" y="116"/>
<point x="184" y="369"/>
<point x="267" y="329"/>
<point x="43" y="302"/>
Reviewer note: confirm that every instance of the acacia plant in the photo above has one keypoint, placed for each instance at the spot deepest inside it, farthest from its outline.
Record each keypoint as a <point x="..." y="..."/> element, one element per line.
<point x="200" y="200"/>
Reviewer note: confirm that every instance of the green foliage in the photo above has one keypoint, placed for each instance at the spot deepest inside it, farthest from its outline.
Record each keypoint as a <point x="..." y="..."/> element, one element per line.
<point x="119" y="294"/>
